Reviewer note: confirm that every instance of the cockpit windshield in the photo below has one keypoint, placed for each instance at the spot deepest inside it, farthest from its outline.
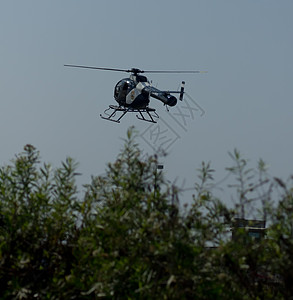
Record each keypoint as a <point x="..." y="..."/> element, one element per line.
<point x="122" y="88"/>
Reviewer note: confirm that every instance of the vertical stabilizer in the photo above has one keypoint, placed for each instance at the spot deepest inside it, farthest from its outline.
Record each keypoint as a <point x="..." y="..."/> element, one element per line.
<point x="182" y="90"/>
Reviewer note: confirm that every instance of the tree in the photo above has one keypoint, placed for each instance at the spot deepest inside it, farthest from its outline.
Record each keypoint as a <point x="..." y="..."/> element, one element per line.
<point x="128" y="237"/>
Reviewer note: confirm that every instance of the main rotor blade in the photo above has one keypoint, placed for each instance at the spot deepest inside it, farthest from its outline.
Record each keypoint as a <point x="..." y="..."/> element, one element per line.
<point x="133" y="70"/>
<point x="97" y="68"/>
<point x="175" y="71"/>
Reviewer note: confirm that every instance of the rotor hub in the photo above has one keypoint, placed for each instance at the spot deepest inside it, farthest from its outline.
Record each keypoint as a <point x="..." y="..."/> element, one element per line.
<point x="136" y="71"/>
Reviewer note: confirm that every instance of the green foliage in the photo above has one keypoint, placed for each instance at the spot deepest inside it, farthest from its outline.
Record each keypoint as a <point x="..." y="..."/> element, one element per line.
<point x="38" y="223"/>
<point x="129" y="238"/>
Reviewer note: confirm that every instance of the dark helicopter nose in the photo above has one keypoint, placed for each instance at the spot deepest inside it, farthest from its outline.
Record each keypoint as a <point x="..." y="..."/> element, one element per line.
<point x="172" y="101"/>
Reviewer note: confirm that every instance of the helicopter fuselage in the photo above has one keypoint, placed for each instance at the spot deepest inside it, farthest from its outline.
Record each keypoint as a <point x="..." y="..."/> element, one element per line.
<point x="136" y="91"/>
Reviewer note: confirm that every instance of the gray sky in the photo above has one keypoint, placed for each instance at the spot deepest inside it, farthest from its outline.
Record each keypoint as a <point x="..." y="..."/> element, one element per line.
<point x="246" y="47"/>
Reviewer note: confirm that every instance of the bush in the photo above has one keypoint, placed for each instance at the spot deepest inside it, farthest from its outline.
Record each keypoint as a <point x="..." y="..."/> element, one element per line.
<point x="129" y="238"/>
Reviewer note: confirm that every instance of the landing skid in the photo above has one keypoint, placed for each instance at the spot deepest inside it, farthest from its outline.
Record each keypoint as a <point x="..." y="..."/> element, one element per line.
<point x="145" y="114"/>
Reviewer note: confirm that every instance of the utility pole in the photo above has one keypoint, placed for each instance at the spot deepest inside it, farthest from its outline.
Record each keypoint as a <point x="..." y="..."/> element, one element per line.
<point x="158" y="167"/>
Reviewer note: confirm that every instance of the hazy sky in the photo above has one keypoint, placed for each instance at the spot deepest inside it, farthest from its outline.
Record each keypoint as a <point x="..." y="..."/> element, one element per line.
<point x="246" y="47"/>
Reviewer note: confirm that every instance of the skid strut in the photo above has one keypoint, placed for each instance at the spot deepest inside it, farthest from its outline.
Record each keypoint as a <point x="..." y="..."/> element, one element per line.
<point x="145" y="114"/>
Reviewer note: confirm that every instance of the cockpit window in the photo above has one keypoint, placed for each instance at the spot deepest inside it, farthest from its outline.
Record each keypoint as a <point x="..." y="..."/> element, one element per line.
<point x="122" y="88"/>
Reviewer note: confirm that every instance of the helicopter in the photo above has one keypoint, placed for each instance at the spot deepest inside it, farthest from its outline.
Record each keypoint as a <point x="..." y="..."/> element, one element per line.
<point x="133" y="94"/>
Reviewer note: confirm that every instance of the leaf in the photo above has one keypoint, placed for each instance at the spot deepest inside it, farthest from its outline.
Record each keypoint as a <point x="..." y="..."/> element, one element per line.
<point x="171" y="280"/>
